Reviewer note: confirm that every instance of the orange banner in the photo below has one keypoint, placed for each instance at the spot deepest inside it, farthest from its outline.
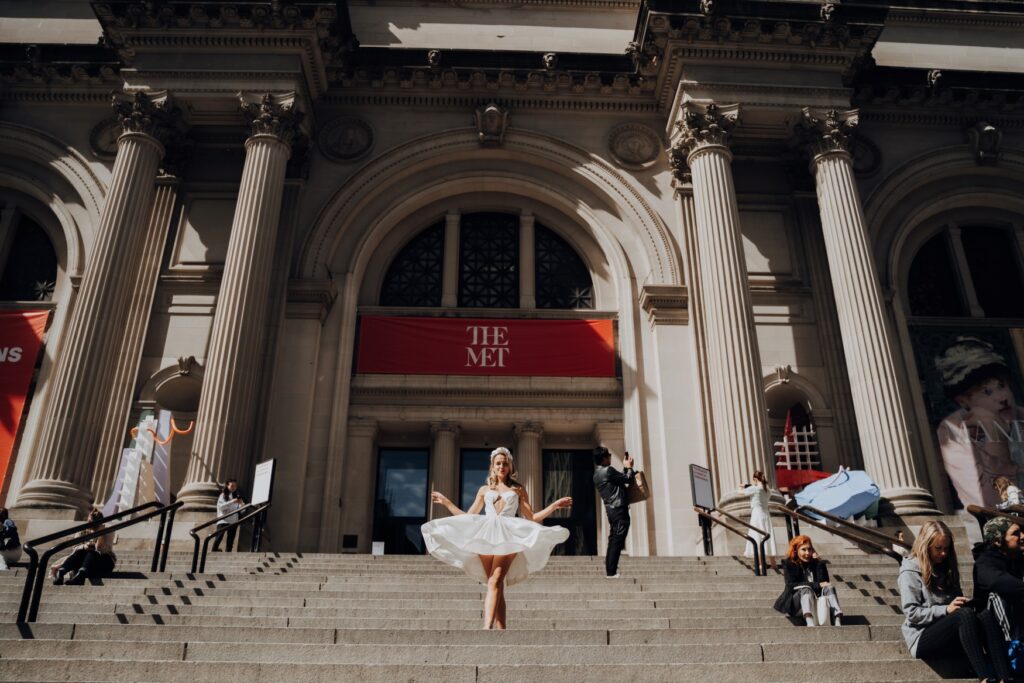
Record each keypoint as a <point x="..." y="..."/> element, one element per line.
<point x="486" y="346"/>
<point x="21" y="336"/>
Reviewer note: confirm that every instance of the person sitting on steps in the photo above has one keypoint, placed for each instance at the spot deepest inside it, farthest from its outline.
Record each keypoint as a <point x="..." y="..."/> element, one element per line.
<point x="93" y="559"/>
<point x="808" y="592"/>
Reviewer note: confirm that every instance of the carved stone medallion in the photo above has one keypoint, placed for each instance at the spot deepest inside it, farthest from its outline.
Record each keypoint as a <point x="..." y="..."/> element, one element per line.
<point x="345" y="139"/>
<point x="103" y="139"/>
<point x="634" y="145"/>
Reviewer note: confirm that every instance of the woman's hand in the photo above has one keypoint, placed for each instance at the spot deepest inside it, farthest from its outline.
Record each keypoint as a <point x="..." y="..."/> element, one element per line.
<point x="563" y="503"/>
<point x="438" y="498"/>
<point x="956" y="604"/>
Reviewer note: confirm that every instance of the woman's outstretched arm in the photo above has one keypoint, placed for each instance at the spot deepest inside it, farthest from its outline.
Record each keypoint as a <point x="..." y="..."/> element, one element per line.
<point x="440" y="499"/>
<point x="526" y="510"/>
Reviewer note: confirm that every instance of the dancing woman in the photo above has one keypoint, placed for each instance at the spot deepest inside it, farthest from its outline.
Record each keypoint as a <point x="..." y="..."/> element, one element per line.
<point x="495" y="548"/>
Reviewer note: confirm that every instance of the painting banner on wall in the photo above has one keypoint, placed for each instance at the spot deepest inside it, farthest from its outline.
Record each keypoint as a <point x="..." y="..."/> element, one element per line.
<point x="21" y="336"/>
<point x="486" y="346"/>
<point x="972" y="382"/>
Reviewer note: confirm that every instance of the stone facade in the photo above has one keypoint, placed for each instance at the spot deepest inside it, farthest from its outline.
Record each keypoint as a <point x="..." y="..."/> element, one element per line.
<point x="747" y="184"/>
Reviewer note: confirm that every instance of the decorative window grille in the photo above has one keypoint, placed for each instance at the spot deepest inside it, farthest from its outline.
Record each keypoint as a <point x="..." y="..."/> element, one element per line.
<point x="30" y="273"/>
<point x="489" y="261"/>
<point x="414" y="278"/>
<point x="562" y="279"/>
<point x="799" y="451"/>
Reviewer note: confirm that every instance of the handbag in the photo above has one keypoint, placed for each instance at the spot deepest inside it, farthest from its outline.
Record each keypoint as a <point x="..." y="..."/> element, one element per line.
<point x="638" y="491"/>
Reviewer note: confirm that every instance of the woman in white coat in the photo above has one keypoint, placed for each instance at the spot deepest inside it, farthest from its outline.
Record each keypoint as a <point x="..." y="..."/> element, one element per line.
<point x="759" y="516"/>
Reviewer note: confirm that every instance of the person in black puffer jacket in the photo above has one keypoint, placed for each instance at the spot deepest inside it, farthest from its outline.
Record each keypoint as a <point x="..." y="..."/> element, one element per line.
<point x="999" y="568"/>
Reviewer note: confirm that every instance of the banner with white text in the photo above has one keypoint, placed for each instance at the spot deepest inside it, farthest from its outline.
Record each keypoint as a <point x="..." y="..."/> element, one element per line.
<point x="21" y="335"/>
<point x="485" y="346"/>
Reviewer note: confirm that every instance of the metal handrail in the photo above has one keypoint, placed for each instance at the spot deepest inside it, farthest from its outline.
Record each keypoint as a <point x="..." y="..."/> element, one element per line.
<point x="199" y="564"/>
<point x="848" y="535"/>
<point x="983" y="514"/>
<point x="764" y="536"/>
<point x="759" y="563"/>
<point x="883" y="537"/>
<point x="31" y="595"/>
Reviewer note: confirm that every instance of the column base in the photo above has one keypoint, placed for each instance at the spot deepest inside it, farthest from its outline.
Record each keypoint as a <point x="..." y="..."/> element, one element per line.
<point x="735" y="504"/>
<point x="199" y="496"/>
<point x="909" y="500"/>
<point x="55" y="499"/>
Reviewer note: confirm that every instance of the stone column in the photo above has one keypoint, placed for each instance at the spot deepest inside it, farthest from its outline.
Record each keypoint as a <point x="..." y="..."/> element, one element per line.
<point x="528" y="461"/>
<point x="741" y="436"/>
<point x="227" y="408"/>
<point x="359" y="483"/>
<point x="450" y="266"/>
<point x="444" y="465"/>
<point x="115" y="421"/>
<point x="737" y="406"/>
<point x="527" y="262"/>
<point x="882" y="422"/>
<point x="83" y="382"/>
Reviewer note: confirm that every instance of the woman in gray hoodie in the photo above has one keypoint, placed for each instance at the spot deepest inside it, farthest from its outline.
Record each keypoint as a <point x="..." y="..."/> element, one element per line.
<point x="940" y="624"/>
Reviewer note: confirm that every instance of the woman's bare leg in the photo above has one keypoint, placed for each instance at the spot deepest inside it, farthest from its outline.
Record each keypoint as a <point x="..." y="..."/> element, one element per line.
<point x="491" y="600"/>
<point x="499" y="571"/>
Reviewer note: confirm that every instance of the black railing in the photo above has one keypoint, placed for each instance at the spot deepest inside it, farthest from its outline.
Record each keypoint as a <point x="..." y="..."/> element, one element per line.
<point x="28" y="610"/>
<point x="850" y="532"/>
<point x="244" y="514"/>
<point x="760" y="565"/>
<point x="983" y="514"/>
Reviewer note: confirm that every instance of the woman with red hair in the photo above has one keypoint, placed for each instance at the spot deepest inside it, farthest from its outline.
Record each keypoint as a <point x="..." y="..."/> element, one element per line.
<point x="807" y="583"/>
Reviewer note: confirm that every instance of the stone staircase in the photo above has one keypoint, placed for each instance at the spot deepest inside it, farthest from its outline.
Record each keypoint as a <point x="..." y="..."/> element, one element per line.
<point x="310" y="618"/>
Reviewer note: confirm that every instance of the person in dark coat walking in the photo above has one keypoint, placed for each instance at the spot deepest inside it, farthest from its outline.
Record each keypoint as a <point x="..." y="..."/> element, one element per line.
<point x="611" y="484"/>
<point x="807" y="580"/>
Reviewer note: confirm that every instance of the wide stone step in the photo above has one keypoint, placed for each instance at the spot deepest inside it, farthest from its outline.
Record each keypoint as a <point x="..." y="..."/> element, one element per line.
<point x="56" y="669"/>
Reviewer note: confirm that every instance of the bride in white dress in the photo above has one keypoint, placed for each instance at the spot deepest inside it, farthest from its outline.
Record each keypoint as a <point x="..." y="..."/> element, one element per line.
<point x="760" y="516"/>
<point x="495" y="548"/>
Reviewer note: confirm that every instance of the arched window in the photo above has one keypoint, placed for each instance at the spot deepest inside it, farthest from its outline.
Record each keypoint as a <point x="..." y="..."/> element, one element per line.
<point x="563" y="280"/>
<point x="493" y="251"/>
<point x="28" y="257"/>
<point x="414" y="278"/>
<point x="967" y="271"/>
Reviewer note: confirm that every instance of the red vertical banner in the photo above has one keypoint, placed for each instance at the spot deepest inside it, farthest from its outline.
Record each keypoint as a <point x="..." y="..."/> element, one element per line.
<point x="21" y="336"/>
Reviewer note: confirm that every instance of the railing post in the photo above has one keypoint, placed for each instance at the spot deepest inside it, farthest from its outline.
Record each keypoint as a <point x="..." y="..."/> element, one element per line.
<point x="155" y="564"/>
<point x="168" y="531"/>
<point x="206" y="548"/>
<point x="30" y="580"/>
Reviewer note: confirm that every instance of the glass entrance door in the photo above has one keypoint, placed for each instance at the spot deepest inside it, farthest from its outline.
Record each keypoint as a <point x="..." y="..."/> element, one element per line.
<point x="401" y="500"/>
<point x="571" y="473"/>
<point x="474" y="466"/>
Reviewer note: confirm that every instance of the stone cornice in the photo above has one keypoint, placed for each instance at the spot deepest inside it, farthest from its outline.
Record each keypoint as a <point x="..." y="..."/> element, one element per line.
<point x="308" y="28"/>
<point x="973" y="19"/>
<point x="666" y="304"/>
<point x="942" y="92"/>
<point x="482" y="391"/>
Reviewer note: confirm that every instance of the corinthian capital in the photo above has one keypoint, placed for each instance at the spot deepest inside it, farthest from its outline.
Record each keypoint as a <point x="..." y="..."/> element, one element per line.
<point x="705" y="125"/>
<point x="273" y="115"/>
<point x="827" y="131"/>
<point x="150" y="113"/>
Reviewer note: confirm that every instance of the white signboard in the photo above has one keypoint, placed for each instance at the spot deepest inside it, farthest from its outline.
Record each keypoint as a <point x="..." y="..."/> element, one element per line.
<point x="377" y="548"/>
<point x="263" y="481"/>
<point x="700" y="485"/>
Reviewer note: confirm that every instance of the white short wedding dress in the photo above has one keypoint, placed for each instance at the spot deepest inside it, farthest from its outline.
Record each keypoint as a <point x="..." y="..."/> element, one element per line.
<point x="460" y="540"/>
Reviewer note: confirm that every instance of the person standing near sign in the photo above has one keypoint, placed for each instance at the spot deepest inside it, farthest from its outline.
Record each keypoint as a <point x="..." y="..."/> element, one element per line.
<point x="611" y="484"/>
<point x="230" y="500"/>
<point x="760" y="517"/>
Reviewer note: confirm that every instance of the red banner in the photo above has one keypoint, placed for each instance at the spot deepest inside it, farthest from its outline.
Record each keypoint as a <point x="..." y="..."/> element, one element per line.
<point x="21" y="335"/>
<point x="485" y="346"/>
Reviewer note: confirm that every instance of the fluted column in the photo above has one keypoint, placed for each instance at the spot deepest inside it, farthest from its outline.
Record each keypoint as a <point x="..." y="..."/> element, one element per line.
<point x="528" y="461"/>
<point x="882" y="422"/>
<point x="741" y="434"/>
<point x="86" y="373"/>
<point x="115" y="420"/>
<point x="444" y="465"/>
<point x="227" y="407"/>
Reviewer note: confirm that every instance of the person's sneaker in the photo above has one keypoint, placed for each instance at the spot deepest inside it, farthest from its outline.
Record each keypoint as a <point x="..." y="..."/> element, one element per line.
<point x="58" y="579"/>
<point x="77" y="580"/>
<point x="613" y="576"/>
<point x="837" y="620"/>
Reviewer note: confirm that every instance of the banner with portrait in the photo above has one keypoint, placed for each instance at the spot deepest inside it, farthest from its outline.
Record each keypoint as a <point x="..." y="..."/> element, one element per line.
<point x="973" y="383"/>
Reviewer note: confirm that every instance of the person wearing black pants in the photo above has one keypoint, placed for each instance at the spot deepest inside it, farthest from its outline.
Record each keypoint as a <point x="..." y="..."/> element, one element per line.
<point x="93" y="559"/>
<point x="229" y="501"/>
<point x="611" y="484"/>
<point x="940" y="623"/>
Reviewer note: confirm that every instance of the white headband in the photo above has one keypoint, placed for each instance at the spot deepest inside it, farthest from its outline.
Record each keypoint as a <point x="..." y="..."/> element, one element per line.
<point x="500" y="450"/>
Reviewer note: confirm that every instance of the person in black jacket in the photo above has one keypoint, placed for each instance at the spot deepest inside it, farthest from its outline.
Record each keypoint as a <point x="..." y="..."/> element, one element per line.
<point x="807" y="580"/>
<point x="611" y="484"/>
<point x="999" y="568"/>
